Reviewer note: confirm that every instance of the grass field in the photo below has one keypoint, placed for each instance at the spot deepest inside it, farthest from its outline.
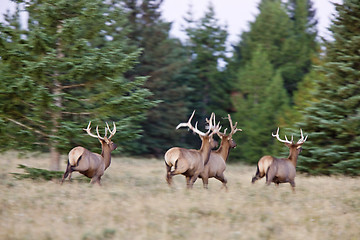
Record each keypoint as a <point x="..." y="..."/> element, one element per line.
<point x="136" y="203"/>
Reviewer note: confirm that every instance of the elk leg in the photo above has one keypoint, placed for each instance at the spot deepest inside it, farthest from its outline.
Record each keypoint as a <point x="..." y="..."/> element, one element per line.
<point x="222" y="179"/>
<point x="193" y="179"/>
<point x="94" y="180"/>
<point x="67" y="172"/>
<point x="205" y="181"/>
<point x="168" y="175"/>
<point x="269" y="176"/>
<point x="187" y="181"/>
<point x="292" y="183"/>
<point x="98" y="180"/>
<point x="257" y="175"/>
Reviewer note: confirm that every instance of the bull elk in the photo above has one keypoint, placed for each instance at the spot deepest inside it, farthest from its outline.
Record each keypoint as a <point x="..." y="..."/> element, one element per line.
<point x="88" y="163"/>
<point x="216" y="165"/>
<point x="280" y="170"/>
<point x="190" y="162"/>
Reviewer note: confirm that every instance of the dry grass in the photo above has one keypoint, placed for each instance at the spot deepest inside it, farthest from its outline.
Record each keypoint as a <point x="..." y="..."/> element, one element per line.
<point x="136" y="203"/>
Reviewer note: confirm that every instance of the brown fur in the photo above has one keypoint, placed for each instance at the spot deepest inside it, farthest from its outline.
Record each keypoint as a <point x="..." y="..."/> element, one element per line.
<point x="216" y="165"/>
<point x="262" y="167"/>
<point x="188" y="162"/>
<point x="90" y="164"/>
<point x="217" y="162"/>
<point x="281" y="170"/>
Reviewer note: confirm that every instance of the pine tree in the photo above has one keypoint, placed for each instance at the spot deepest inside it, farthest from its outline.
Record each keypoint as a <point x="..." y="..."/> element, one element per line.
<point x="301" y="46"/>
<point x="163" y="60"/>
<point x="63" y="71"/>
<point x="333" y="120"/>
<point x="287" y="33"/>
<point x="207" y="49"/>
<point x="260" y="103"/>
<point x="304" y="96"/>
<point x="270" y="29"/>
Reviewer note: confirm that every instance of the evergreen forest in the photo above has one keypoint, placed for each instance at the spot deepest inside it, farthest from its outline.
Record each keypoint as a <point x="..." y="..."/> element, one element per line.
<point x="115" y="61"/>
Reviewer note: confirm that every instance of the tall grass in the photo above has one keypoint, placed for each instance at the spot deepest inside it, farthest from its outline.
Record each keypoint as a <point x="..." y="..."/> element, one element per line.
<point x="136" y="203"/>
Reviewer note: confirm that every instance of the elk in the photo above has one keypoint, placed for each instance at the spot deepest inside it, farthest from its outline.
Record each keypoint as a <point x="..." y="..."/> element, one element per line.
<point x="216" y="165"/>
<point x="280" y="170"/>
<point x="88" y="163"/>
<point x="190" y="162"/>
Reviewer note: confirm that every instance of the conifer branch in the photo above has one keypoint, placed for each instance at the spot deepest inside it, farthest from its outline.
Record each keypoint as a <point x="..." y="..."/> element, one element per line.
<point x="77" y="113"/>
<point x="73" y="86"/>
<point x="27" y="127"/>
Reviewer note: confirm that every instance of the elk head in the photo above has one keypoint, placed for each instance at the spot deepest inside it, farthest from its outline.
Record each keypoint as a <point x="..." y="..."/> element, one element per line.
<point x="208" y="136"/>
<point x="105" y="141"/>
<point x="228" y="137"/>
<point x="290" y="144"/>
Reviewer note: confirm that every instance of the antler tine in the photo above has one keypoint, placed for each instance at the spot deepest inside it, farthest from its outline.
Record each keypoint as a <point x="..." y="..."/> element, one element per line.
<point x="196" y="125"/>
<point x="88" y="131"/>
<point x="279" y="139"/>
<point x="220" y="134"/>
<point x="302" y="140"/>
<point x="233" y="127"/>
<point x="188" y="124"/>
<point x="112" y="133"/>
<point x="212" y="123"/>
<point x="207" y="120"/>
<point x="225" y="131"/>
<point x="98" y="135"/>
<point x="216" y="129"/>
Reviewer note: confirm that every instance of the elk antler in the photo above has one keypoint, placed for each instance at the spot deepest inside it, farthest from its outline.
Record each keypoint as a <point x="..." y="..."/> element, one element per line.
<point x="112" y="133"/>
<point x="215" y="128"/>
<point x="233" y="127"/>
<point x="280" y="140"/>
<point x="93" y="135"/>
<point x="302" y="139"/>
<point x="194" y="129"/>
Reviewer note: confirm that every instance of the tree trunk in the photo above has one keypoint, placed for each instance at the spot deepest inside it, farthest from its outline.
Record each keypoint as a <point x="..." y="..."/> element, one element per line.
<point x="56" y="113"/>
<point x="55" y="159"/>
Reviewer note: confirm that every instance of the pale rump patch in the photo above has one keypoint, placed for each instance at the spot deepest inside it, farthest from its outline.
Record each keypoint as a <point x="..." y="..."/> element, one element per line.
<point x="171" y="156"/>
<point x="74" y="155"/>
<point x="173" y="166"/>
<point x="264" y="164"/>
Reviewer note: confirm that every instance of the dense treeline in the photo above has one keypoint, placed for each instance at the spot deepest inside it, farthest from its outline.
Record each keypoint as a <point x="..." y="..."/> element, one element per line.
<point x="115" y="61"/>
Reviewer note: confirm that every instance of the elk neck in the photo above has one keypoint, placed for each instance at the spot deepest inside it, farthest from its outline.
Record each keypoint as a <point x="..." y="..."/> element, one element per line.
<point x="205" y="149"/>
<point x="106" y="154"/>
<point x="224" y="149"/>
<point x="293" y="156"/>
